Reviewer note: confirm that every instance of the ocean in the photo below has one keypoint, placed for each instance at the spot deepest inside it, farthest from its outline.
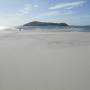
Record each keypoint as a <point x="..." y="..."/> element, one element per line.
<point x="48" y="28"/>
<point x="57" y="28"/>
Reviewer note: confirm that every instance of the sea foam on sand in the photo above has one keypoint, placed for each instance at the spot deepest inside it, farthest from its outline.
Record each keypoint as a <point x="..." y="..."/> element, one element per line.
<point x="45" y="61"/>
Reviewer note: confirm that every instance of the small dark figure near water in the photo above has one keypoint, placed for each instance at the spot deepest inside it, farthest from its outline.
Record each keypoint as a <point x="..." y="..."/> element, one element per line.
<point x="20" y="29"/>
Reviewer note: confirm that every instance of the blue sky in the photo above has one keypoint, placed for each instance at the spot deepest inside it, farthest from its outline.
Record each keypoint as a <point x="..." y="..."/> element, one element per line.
<point x="18" y="12"/>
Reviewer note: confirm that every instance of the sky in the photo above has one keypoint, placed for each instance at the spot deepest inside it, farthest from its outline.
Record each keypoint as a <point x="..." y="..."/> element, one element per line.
<point x="18" y="12"/>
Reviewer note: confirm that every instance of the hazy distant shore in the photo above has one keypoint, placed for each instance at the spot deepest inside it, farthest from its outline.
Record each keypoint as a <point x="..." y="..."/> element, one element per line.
<point x="44" y="60"/>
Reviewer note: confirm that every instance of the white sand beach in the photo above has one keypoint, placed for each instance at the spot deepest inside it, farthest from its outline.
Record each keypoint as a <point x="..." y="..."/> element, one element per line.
<point x="44" y="61"/>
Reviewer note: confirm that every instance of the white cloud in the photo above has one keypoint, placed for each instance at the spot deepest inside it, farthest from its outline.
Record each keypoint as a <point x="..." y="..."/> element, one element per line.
<point x="48" y="14"/>
<point x="26" y="10"/>
<point x="36" y="6"/>
<point x="68" y="5"/>
<point x="85" y="16"/>
<point x="69" y="8"/>
<point x="54" y="13"/>
<point x="51" y="13"/>
<point x="20" y="16"/>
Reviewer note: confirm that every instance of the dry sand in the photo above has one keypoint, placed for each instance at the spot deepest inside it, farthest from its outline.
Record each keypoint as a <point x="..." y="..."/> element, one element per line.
<point x="44" y="61"/>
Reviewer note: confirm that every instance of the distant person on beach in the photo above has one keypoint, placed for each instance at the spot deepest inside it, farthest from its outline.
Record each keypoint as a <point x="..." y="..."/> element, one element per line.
<point x="20" y="29"/>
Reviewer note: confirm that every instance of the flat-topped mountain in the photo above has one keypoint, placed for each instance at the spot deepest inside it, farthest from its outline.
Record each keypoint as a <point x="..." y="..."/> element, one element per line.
<point x="37" y="23"/>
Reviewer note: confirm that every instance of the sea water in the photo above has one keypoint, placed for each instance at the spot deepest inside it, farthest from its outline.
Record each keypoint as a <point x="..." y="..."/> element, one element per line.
<point x="48" y="28"/>
<point x="57" y="28"/>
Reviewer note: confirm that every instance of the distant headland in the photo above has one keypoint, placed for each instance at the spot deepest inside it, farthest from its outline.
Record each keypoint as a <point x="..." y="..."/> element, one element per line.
<point x="38" y="23"/>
